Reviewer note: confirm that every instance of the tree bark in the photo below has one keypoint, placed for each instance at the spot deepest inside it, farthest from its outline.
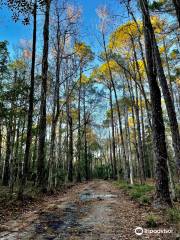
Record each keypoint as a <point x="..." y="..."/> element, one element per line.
<point x="56" y="109"/>
<point x="79" y="130"/>
<point x="85" y="138"/>
<point x="42" y="121"/>
<point x="169" y="106"/>
<point x="31" y="107"/>
<point x="113" y="136"/>
<point x="177" y="8"/>
<point x="70" y="150"/>
<point x="6" y="171"/>
<point x="162" y="183"/>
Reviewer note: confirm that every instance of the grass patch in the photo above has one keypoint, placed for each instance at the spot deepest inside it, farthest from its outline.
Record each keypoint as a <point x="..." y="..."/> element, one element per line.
<point x="138" y="192"/>
<point x="173" y="215"/>
<point x="177" y="189"/>
<point x="151" y="221"/>
<point x="145" y="199"/>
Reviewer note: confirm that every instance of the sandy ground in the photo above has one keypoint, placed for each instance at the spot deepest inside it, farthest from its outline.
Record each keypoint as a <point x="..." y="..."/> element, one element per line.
<point x="95" y="210"/>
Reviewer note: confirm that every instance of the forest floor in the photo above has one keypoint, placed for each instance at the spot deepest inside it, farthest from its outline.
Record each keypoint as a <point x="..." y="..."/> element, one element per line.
<point x="96" y="210"/>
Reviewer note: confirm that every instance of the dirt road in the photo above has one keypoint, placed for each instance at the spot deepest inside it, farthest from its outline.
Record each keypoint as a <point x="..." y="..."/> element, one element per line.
<point x="95" y="210"/>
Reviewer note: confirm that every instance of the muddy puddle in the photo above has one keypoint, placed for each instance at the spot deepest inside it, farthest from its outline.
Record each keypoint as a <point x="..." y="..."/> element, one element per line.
<point x="54" y="225"/>
<point x="64" y="220"/>
<point x="90" y="195"/>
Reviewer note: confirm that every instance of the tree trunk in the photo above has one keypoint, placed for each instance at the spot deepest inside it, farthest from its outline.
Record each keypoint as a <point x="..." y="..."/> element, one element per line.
<point x="6" y="171"/>
<point x="162" y="184"/>
<point x="31" y="106"/>
<point x="56" y="110"/>
<point x="79" y="131"/>
<point x="85" y="137"/>
<point x="169" y="103"/>
<point x="113" y="136"/>
<point x="177" y="8"/>
<point x="12" y="157"/>
<point x="42" y="121"/>
<point x="117" y="106"/>
<point x="1" y="137"/>
<point x="70" y="150"/>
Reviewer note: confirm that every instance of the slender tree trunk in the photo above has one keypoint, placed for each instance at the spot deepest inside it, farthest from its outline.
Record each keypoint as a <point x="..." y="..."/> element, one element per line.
<point x="1" y="136"/>
<point x="140" y="145"/>
<point x="130" y="152"/>
<point x="168" y="69"/>
<point x="85" y="137"/>
<point x="56" y="110"/>
<point x="12" y="156"/>
<point x="169" y="105"/>
<point x="110" y="155"/>
<point x="137" y="132"/>
<point x="6" y="171"/>
<point x="162" y="183"/>
<point x="177" y="8"/>
<point x="113" y="136"/>
<point x="117" y="104"/>
<point x="70" y="167"/>
<point x="79" y="131"/>
<point x="42" y="121"/>
<point x="31" y="106"/>
<point x="60" y="142"/>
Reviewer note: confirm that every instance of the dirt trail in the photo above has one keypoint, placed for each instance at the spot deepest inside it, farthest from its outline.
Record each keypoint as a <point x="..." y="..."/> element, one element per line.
<point x="93" y="210"/>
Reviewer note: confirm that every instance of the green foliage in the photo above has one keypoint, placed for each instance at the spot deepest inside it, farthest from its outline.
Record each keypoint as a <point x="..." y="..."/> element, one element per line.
<point x="145" y="199"/>
<point x="103" y="172"/>
<point x="174" y="215"/>
<point x="156" y="5"/>
<point x="61" y="175"/>
<point x="137" y="192"/>
<point x="177" y="189"/>
<point x="151" y="221"/>
<point x="4" y="55"/>
<point x="83" y="52"/>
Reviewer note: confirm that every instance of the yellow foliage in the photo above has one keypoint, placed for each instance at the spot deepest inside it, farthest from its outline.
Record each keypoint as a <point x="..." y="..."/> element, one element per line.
<point x="49" y="119"/>
<point x="18" y="64"/>
<point x="178" y="81"/>
<point x="173" y="54"/>
<point x="130" y="122"/>
<point x="83" y="51"/>
<point x="91" y="136"/>
<point x="141" y="67"/>
<point x="102" y="73"/>
<point x="161" y="49"/>
<point x="141" y="103"/>
<point x="74" y="114"/>
<point x="84" y="79"/>
<point x="157" y="23"/>
<point x="122" y="35"/>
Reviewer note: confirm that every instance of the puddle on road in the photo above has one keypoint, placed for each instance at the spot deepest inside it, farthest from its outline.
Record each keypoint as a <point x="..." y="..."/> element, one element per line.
<point x="61" y="221"/>
<point x="53" y="223"/>
<point x="89" y="195"/>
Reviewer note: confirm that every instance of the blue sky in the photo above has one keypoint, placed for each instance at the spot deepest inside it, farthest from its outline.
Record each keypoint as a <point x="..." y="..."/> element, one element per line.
<point x="13" y="32"/>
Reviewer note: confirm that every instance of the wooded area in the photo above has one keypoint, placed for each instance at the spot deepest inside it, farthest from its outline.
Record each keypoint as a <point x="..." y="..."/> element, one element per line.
<point x="69" y="113"/>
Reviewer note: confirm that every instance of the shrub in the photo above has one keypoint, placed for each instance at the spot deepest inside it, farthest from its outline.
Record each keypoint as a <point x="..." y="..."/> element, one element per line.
<point x="137" y="191"/>
<point x="151" y="221"/>
<point x="174" y="215"/>
<point x="135" y="194"/>
<point x="145" y="199"/>
<point x="178" y="191"/>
